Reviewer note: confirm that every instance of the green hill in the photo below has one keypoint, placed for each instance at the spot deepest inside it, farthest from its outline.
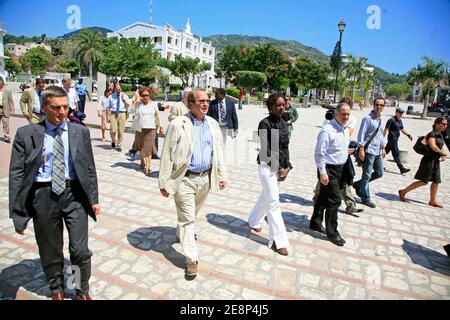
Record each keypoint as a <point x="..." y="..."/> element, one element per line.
<point x="103" y="31"/>
<point x="293" y="49"/>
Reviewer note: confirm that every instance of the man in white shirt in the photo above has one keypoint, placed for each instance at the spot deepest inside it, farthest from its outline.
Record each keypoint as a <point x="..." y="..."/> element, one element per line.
<point x="71" y="93"/>
<point x="331" y="154"/>
<point x="116" y="114"/>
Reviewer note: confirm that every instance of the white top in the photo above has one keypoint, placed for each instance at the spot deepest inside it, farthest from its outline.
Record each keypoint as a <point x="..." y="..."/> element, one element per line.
<point x="37" y="103"/>
<point x="146" y="115"/>
<point x="73" y="98"/>
<point x="103" y="104"/>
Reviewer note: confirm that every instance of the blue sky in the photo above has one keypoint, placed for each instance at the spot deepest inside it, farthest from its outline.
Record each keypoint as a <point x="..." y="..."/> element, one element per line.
<point x="409" y="28"/>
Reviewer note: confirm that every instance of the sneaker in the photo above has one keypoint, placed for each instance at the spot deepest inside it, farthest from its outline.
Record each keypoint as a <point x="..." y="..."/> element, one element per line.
<point x="369" y="203"/>
<point x="191" y="268"/>
<point x="404" y="170"/>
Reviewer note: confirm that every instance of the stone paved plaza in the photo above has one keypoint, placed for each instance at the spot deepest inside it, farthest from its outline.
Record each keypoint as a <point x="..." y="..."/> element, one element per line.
<point x="392" y="252"/>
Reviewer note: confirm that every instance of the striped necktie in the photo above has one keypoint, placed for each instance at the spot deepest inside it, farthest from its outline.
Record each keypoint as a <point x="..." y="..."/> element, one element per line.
<point x="58" y="164"/>
<point x="222" y="112"/>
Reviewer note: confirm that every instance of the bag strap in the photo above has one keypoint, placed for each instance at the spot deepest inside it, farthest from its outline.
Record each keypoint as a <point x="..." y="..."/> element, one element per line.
<point x="373" y="135"/>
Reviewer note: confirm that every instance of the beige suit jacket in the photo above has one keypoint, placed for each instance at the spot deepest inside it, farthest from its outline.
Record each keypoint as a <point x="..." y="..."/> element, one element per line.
<point x="177" y="109"/>
<point x="8" y="102"/>
<point x="177" y="154"/>
<point x="26" y="102"/>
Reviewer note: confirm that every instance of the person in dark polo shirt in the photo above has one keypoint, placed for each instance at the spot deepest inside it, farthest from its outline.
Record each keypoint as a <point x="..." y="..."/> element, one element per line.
<point x="393" y="128"/>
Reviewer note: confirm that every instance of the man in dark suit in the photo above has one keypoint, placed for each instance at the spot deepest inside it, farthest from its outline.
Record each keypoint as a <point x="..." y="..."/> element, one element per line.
<point x="224" y="112"/>
<point x="53" y="180"/>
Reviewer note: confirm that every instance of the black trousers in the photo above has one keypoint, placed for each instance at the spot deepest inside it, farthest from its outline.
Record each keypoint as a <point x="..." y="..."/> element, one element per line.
<point x="82" y="102"/>
<point x="50" y="212"/>
<point x="392" y="145"/>
<point x="329" y="201"/>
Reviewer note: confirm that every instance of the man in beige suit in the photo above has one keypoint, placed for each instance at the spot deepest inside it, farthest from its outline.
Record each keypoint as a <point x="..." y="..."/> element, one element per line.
<point x="7" y="108"/>
<point x="30" y="102"/>
<point x="180" y="108"/>
<point x="191" y="166"/>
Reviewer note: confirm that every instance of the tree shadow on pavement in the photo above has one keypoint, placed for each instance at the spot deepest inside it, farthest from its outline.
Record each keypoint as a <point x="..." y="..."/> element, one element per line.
<point x="28" y="274"/>
<point x="427" y="258"/>
<point x="104" y="146"/>
<point x="289" y="198"/>
<point x="158" y="239"/>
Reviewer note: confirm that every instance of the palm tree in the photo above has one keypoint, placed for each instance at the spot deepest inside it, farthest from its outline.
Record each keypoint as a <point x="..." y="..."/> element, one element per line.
<point x="429" y="74"/>
<point x="89" y="48"/>
<point x="355" y="71"/>
<point x="367" y="84"/>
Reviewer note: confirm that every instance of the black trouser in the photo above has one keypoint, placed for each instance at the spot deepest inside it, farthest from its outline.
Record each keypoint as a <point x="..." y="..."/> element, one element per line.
<point x="49" y="212"/>
<point x="82" y="103"/>
<point x="329" y="201"/>
<point x="392" y="145"/>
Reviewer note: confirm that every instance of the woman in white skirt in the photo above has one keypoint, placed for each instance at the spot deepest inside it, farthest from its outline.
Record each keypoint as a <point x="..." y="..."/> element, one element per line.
<point x="101" y="111"/>
<point x="274" y="166"/>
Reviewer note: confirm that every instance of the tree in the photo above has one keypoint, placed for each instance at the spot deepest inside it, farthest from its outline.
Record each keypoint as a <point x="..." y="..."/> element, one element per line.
<point x="184" y="67"/>
<point x="36" y="60"/>
<point x="250" y="80"/>
<point x="308" y="74"/>
<point x="429" y="74"/>
<point x="89" y="48"/>
<point x="367" y="84"/>
<point x="335" y="59"/>
<point x="70" y="66"/>
<point x="130" y="58"/>
<point x="355" y="71"/>
<point x="12" y="67"/>
<point x="399" y="90"/>
<point x="229" y="62"/>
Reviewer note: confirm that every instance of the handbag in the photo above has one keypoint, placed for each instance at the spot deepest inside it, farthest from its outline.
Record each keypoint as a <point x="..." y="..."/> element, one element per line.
<point x="420" y="147"/>
<point x="359" y="161"/>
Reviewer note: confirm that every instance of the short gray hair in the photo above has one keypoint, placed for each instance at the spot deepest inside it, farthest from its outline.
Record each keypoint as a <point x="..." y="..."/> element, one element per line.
<point x="52" y="92"/>
<point x="153" y="86"/>
<point x="191" y="96"/>
<point x="341" y="105"/>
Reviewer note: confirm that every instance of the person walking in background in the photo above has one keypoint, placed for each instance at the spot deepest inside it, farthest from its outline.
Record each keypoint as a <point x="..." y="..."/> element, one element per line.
<point x="7" y="108"/>
<point x="116" y="114"/>
<point x="273" y="166"/>
<point x="224" y="112"/>
<point x="102" y="109"/>
<point x="192" y="165"/>
<point x="52" y="180"/>
<point x="371" y="151"/>
<point x="430" y="165"/>
<point x="180" y="108"/>
<point x="331" y="154"/>
<point x="154" y="90"/>
<point x="241" y="97"/>
<point x="290" y="115"/>
<point x="74" y="101"/>
<point x="146" y="124"/>
<point x="393" y="128"/>
<point x="30" y="102"/>
<point x="82" y="91"/>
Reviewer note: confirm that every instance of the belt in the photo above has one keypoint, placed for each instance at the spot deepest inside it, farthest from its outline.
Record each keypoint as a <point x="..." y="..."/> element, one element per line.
<point x="335" y="165"/>
<point x="200" y="174"/>
<point x="38" y="185"/>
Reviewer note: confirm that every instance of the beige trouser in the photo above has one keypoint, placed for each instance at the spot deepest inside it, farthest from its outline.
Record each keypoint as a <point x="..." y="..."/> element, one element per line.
<point x="189" y="199"/>
<point x="5" y="122"/>
<point x="118" y="120"/>
<point x="36" y="118"/>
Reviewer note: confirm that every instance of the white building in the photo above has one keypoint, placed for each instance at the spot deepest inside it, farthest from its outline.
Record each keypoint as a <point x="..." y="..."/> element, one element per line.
<point x="2" y="54"/>
<point x="170" y="42"/>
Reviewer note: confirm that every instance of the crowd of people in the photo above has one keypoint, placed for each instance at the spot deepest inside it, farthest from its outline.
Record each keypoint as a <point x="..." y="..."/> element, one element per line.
<point x="58" y="183"/>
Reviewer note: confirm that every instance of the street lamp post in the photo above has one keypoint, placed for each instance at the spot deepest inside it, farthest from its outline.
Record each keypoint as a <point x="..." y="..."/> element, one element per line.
<point x="341" y="26"/>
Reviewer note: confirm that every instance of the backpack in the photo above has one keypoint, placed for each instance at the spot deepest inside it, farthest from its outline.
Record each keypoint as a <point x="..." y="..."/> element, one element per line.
<point x="421" y="148"/>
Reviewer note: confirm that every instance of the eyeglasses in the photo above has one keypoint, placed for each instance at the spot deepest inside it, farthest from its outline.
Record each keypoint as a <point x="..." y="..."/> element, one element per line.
<point x="56" y="108"/>
<point x="444" y="124"/>
<point x="379" y="104"/>
<point x="145" y="95"/>
<point x="203" y="101"/>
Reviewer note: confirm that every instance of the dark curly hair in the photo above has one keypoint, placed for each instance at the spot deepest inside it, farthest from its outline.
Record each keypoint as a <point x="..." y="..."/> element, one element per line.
<point x="272" y="100"/>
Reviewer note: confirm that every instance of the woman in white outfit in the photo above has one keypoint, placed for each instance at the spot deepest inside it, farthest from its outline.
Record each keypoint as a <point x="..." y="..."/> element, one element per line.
<point x="101" y="111"/>
<point x="274" y="166"/>
<point x="146" y="123"/>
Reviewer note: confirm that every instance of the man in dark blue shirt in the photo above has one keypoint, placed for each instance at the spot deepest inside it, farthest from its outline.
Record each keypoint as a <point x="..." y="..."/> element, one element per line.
<point x="393" y="128"/>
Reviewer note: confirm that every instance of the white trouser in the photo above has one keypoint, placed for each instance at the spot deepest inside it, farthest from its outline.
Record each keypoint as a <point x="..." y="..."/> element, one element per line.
<point x="189" y="199"/>
<point x="269" y="204"/>
<point x="224" y="134"/>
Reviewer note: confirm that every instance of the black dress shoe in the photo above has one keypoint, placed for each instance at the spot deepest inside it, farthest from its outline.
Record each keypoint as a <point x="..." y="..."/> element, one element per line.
<point x="113" y="145"/>
<point x="320" y="229"/>
<point x="404" y="170"/>
<point x="337" y="241"/>
<point x="155" y="157"/>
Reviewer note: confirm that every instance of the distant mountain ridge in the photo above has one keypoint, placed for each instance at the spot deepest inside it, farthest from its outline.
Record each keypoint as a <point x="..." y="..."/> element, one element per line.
<point x="103" y="32"/>
<point x="294" y="49"/>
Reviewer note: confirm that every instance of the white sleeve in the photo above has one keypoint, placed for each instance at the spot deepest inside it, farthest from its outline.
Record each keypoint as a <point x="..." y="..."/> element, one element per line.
<point x="351" y="122"/>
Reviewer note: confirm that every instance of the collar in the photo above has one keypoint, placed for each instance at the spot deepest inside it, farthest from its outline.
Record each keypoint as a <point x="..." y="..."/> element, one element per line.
<point x="373" y="115"/>
<point x="274" y="119"/>
<point x="51" y="127"/>
<point x="337" y="125"/>
<point x="194" y="120"/>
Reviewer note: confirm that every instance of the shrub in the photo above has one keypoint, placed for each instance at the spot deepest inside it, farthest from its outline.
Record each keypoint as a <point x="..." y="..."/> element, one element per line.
<point x="234" y="92"/>
<point x="176" y="87"/>
<point x="260" y="95"/>
<point x="300" y="100"/>
<point x="250" y="79"/>
<point x="126" y="87"/>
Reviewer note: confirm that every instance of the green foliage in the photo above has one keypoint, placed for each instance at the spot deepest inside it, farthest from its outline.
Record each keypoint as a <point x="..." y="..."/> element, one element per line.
<point x="36" y="60"/>
<point x="399" y="90"/>
<point x="184" y="67"/>
<point x="129" y="58"/>
<point x="126" y="87"/>
<point x="176" y="87"/>
<point x="233" y="91"/>
<point x="335" y="59"/>
<point x="12" y="67"/>
<point x="70" y="66"/>
<point x="260" y="96"/>
<point x="308" y="74"/>
<point x="229" y="62"/>
<point x="89" y="48"/>
<point x="250" y="79"/>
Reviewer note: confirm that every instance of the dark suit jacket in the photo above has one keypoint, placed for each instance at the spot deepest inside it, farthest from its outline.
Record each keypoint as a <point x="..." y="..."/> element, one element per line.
<point x="230" y="117"/>
<point x="26" y="159"/>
